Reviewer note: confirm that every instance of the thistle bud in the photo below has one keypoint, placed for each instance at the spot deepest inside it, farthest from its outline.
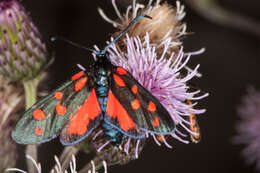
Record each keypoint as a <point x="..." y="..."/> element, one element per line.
<point x="22" y="52"/>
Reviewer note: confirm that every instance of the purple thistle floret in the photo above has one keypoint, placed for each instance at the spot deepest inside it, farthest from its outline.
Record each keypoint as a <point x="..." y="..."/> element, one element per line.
<point x="249" y="126"/>
<point x="162" y="78"/>
<point x="22" y="52"/>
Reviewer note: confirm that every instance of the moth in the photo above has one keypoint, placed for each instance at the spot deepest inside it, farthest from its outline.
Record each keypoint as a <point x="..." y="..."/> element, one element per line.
<point x="104" y="95"/>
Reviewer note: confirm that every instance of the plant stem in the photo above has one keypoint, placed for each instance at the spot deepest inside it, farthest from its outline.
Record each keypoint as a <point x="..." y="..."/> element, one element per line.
<point x="30" y="88"/>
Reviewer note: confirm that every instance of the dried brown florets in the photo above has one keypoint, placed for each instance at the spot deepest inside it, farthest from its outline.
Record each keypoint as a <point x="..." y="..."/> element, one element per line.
<point x="165" y="26"/>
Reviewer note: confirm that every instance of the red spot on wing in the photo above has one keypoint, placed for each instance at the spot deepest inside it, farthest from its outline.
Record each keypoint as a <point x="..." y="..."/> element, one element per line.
<point x="80" y="84"/>
<point x="77" y="76"/>
<point x="38" y="114"/>
<point x="88" y="111"/>
<point x="116" y="110"/>
<point x="151" y="107"/>
<point x="134" y="89"/>
<point x="61" y="110"/>
<point x="58" y="95"/>
<point x="156" y="122"/>
<point x="121" y="71"/>
<point x="38" y="131"/>
<point x="135" y="104"/>
<point x="119" y="81"/>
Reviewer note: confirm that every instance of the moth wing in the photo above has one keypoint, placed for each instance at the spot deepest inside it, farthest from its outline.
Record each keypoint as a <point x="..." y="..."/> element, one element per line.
<point x="46" y="118"/>
<point x="83" y="121"/>
<point x="118" y="117"/>
<point x="147" y="113"/>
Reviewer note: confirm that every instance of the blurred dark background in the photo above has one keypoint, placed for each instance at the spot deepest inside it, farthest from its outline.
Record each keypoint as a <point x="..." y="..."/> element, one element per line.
<point x="229" y="65"/>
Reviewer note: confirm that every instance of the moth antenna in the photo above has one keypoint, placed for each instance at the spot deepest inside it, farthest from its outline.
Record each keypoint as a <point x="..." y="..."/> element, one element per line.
<point x="123" y="32"/>
<point x="72" y="43"/>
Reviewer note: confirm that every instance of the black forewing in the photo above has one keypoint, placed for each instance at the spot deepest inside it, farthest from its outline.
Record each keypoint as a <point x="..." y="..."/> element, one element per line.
<point x="31" y="131"/>
<point x="158" y="121"/>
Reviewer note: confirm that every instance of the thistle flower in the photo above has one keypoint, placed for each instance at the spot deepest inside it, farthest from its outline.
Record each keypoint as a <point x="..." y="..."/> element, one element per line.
<point x="162" y="78"/>
<point x="22" y="52"/>
<point x="249" y="126"/>
<point x="153" y="54"/>
<point x="11" y="101"/>
<point x="165" y="24"/>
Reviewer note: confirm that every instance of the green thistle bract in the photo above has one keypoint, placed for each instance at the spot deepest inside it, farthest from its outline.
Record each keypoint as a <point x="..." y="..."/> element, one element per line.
<point x="22" y="52"/>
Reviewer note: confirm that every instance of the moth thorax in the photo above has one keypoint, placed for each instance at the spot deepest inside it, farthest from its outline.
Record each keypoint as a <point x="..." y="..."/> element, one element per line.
<point x="101" y="77"/>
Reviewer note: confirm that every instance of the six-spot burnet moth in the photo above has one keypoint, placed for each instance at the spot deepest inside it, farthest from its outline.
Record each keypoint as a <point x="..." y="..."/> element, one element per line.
<point x="105" y="96"/>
